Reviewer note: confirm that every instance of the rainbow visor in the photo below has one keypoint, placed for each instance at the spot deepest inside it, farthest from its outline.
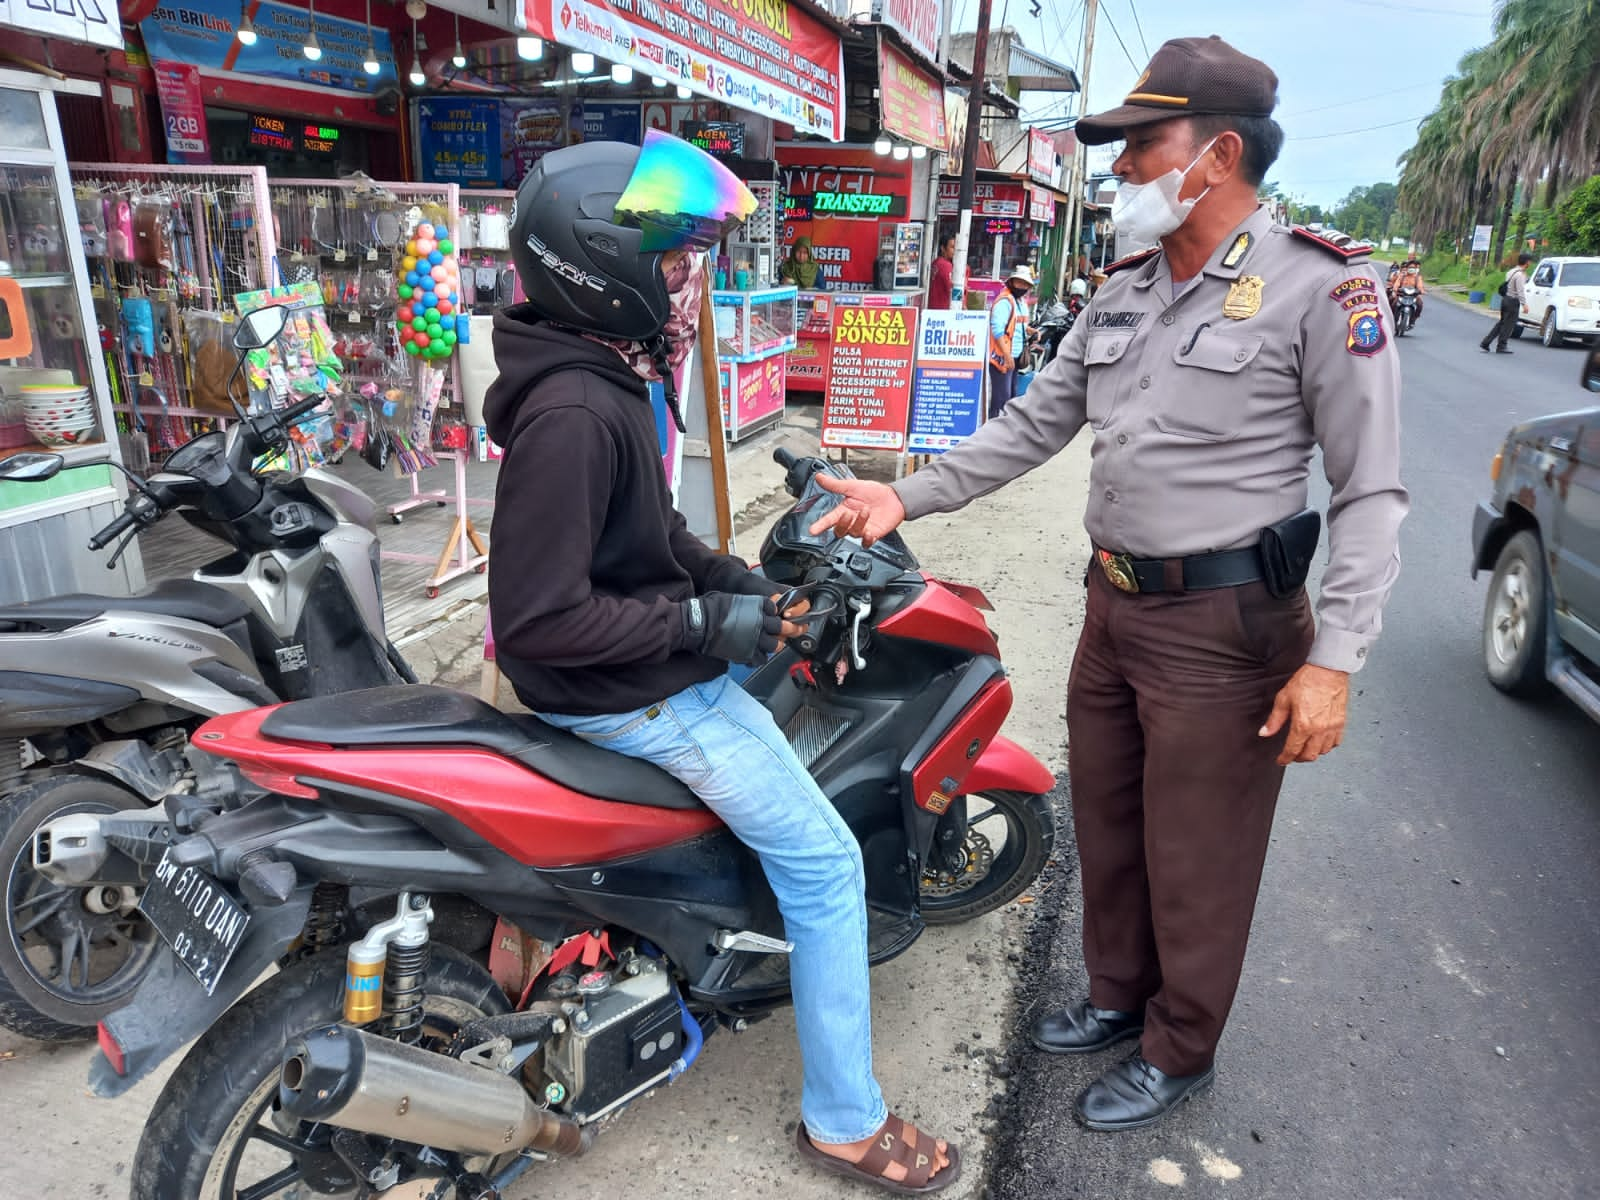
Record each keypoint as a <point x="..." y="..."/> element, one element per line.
<point x="680" y="197"/>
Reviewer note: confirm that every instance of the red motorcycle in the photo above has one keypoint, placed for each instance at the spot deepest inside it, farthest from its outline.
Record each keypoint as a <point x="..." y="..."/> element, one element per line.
<point x="571" y="923"/>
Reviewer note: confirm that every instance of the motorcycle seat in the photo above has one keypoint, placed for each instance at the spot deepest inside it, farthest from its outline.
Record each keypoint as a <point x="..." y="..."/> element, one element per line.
<point x="181" y="599"/>
<point x="418" y="715"/>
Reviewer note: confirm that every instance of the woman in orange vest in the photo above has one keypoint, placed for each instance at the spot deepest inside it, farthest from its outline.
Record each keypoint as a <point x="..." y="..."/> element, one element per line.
<point x="1008" y="334"/>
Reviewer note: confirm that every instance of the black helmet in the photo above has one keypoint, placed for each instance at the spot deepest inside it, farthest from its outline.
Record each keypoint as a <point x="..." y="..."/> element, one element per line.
<point x="592" y="222"/>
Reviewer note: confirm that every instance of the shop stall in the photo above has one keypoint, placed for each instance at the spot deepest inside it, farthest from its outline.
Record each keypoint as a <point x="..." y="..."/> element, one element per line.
<point x="55" y="392"/>
<point x="1003" y="233"/>
<point x="755" y="332"/>
<point x="854" y="208"/>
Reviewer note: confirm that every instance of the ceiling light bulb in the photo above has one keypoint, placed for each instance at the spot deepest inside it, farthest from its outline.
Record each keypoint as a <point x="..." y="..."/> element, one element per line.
<point x="683" y="92"/>
<point x="313" y="50"/>
<point x="657" y="81"/>
<point x="919" y="152"/>
<point x="621" y="73"/>
<point x="530" y="49"/>
<point x="370" y="64"/>
<point x="247" y="31"/>
<point x="882" y="146"/>
<point x="458" y="60"/>
<point x="418" y="78"/>
<point x="582" y="63"/>
<point x="902" y="152"/>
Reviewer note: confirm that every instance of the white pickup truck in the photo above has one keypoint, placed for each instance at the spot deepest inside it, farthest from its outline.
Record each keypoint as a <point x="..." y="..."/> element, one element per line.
<point x="1563" y="300"/>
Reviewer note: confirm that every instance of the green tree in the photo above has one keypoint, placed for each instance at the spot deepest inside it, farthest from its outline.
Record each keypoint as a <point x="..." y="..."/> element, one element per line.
<point x="1575" y="228"/>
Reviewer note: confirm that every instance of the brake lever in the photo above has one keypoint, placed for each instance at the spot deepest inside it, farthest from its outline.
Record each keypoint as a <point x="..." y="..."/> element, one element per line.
<point x="121" y="547"/>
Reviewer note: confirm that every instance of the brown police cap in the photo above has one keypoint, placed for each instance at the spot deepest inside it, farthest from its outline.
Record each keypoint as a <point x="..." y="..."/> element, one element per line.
<point x="1188" y="77"/>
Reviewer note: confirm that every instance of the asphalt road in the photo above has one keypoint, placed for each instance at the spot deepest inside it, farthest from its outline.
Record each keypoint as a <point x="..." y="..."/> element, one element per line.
<point x="1417" y="1012"/>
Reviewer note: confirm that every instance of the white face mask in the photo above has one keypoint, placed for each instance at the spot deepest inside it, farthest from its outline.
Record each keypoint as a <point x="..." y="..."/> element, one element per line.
<point x="1148" y="212"/>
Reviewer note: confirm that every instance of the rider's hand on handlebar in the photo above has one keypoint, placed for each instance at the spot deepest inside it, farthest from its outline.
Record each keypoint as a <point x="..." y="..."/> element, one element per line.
<point x="798" y="609"/>
<point x="868" y="511"/>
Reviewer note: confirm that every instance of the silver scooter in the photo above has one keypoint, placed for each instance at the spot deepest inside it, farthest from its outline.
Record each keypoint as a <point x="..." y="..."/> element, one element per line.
<point x="99" y="694"/>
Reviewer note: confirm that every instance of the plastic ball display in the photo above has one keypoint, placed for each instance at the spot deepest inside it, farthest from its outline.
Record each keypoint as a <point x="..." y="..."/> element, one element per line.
<point x="428" y="291"/>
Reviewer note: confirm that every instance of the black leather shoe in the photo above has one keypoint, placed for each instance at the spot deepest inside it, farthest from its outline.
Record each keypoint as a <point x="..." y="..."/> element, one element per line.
<point x="1505" y="350"/>
<point x="1081" y="1028"/>
<point x="1134" y="1094"/>
<point x="1484" y="348"/>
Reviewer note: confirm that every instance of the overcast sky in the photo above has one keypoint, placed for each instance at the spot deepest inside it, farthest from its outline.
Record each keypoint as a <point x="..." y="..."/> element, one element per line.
<point x="1367" y="65"/>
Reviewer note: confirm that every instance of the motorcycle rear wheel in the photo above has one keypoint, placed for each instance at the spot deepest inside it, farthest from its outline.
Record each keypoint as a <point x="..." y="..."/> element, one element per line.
<point x="218" y="1118"/>
<point x="68" y="955"/>
<point x="990" y="876"/>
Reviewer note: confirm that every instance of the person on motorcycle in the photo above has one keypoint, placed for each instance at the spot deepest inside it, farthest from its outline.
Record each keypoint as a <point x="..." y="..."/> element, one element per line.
<point x="613" y="621"/>
<point x="1077" y="296"/>
<point x="1407" y="274"/>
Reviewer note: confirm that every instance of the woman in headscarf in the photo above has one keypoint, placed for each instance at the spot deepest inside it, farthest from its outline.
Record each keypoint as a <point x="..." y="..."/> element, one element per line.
<point x="800" y="268"/>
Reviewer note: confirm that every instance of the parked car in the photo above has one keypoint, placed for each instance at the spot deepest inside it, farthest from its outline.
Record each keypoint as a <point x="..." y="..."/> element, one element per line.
<point x="1563" y="300"/>
<point x="1540" y="533"/>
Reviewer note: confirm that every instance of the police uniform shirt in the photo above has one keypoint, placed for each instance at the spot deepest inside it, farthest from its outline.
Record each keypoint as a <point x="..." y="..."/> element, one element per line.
<point x="1205" y="403"/>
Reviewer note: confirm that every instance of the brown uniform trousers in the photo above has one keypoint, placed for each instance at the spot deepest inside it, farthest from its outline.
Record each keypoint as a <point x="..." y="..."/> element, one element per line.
<point x="1173" y="794"/>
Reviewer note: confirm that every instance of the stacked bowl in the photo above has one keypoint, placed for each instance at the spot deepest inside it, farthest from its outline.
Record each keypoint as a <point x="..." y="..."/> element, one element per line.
<point x="58" y="414"/>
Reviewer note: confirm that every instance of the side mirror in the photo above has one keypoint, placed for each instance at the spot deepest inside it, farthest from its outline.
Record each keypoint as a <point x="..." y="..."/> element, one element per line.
<point x="260" y="328"/>
<point x="31" y="468"/>
<point x="1591" y="370"/>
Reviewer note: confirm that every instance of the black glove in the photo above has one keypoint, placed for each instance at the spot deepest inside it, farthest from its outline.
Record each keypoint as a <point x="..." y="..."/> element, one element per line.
<point x="741" y="629"/>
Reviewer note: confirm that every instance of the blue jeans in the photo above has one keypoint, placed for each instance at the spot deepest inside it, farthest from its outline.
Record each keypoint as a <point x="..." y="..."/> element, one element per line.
<point x="724" y="745"/>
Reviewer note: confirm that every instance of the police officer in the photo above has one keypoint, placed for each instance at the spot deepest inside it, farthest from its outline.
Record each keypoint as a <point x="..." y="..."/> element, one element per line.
<point x="1207" y="371"/>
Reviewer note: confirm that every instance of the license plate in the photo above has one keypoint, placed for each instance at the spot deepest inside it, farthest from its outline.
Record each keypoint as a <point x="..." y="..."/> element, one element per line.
<point x="197" y="917"/>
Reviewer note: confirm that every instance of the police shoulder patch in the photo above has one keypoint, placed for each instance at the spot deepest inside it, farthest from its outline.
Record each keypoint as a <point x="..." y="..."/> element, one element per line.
<point x="1366" y="336"/>
<point x="1133" y="260"/>
<point x="1348" y="250"/>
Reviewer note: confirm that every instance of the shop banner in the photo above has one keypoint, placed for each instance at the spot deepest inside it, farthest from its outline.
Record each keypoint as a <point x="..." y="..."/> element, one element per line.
<point x="988" y="199"/>
<point x="93" y="21"/>
<point x="845" y="243"/>
<point x="751" y="392"/>
<point x="201" y="33"/>
<point x="763" y="56"/>
<point x="183" y="112"/>
<point x="1041" y="157"/>
<point x="1041" y="206"/>
<point x="910" y="99"/>
<point x="869" y="377"/>
<point x="947" y="391"/>
<point x="530" y="129"/>
<point x="918" y="21"/>
<point x="611" y="121"/>
<point x="458" y="141"/>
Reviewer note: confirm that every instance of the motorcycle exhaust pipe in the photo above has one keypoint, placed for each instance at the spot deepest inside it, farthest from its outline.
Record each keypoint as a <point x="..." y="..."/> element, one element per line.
<point x="354" y="1080"/>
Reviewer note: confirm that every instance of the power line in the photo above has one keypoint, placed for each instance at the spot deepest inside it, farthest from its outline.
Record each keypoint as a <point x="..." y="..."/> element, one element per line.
<point x="1317" y="137"/>
<point x="1106" y="13"/>
<point x="1304" y="112"/>
<point x="1137" y="24"/>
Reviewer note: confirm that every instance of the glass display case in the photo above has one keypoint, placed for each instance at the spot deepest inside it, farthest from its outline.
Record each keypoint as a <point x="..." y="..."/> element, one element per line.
<point x="753" y="325"/>
<point x="54" y="390"/>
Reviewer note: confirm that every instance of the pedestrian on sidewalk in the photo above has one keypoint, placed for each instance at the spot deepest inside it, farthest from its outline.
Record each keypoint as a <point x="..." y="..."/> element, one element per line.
<point x="1512" y="293"/>
<point x="1208" y="371"/>
<point x="1008" y="336"/>
<point x="942" y="278"/>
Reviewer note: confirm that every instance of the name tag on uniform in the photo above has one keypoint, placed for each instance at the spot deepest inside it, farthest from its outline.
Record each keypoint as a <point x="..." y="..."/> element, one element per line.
<point x="1099" y="319"/>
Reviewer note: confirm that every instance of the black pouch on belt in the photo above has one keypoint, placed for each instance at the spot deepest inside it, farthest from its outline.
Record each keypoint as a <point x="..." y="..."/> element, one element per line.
<point x="1286" y="550"/>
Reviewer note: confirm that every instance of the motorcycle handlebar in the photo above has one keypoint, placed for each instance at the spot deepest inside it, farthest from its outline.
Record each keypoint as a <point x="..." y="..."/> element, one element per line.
<point x="783" y="458"/>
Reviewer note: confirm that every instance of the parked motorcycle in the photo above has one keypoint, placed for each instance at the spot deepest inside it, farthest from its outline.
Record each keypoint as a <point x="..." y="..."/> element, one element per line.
<point x="1051" y="323"/>
<point x="1407" y="303"/>
<point x="631" y="924"/>
<point x="105" y="691"/>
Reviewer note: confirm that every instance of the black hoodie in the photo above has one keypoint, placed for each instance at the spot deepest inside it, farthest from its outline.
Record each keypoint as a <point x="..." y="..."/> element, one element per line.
<point x="589" y="563"/>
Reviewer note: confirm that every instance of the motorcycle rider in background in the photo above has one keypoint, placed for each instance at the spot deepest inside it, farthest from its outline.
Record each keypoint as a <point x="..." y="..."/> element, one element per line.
<point x="1406" y="274"/>
<point x="615" y="622"/>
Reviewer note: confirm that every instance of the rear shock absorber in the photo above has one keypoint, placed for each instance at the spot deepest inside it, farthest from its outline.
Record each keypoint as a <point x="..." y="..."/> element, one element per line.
<point x="373" y="983"/>
<point x="325" y="921"/>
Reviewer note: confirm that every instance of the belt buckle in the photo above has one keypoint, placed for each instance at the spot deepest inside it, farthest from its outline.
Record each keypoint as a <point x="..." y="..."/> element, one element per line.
<point x="1118" y="569"/>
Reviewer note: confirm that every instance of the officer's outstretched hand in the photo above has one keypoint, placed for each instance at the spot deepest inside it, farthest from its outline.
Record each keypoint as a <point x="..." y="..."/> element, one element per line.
<point x="868" y="511"/>
<point x="1313" y="704"/>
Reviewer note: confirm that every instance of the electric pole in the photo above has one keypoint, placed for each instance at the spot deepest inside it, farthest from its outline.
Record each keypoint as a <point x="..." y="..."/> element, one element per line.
<point x="1075" y="202"/>
<point x="969" y="153"/>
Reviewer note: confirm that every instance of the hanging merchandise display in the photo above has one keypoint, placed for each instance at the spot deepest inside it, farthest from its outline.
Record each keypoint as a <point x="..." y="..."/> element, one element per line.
<point x="483" y="248"/>
<point x="168" y="249"/>
<point x="429" y="296"/>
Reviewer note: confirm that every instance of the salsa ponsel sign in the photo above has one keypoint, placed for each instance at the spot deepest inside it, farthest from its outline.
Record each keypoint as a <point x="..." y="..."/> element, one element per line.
<point x="869" y="376"/>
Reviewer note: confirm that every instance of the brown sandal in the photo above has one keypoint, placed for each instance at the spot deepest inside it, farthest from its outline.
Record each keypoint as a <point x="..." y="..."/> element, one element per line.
<point x="896" y="1142"/>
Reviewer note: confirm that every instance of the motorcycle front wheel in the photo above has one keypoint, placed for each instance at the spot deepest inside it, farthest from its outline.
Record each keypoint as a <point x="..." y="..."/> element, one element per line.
<point x="69" y="955"/>
<point x="1007" y="841"/>
<point x="216" y="1131"/>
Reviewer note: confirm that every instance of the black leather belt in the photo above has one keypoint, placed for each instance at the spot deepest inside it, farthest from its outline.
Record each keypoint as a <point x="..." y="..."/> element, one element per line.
<point x="1199" y="572"/>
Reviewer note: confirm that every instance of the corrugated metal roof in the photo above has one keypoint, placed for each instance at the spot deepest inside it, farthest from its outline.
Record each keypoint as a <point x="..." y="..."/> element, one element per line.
<point x="1035" y="72"/>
